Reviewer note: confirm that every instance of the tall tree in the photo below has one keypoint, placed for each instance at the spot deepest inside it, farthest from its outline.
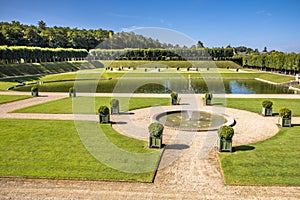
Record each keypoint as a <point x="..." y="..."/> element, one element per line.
<point x="200" y="44"/>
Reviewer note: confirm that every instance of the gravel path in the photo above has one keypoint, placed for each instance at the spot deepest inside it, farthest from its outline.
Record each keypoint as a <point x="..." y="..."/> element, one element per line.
<point x="189" y="168"/>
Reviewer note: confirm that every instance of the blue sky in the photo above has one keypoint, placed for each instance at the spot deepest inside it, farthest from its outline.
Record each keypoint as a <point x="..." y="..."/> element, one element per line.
<point x="252" y="23"/>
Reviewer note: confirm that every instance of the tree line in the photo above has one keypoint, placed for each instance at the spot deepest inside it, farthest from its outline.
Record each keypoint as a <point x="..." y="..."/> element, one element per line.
<point x="274" y="61"/>
<point x="17" y="34"/>
<point x="18" y="54"/>
<point x="162" y="54"/>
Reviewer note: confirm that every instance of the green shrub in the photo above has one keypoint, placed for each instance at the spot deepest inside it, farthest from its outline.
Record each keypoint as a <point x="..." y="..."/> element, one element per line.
<point x="156" y="129"/>
<point x="226" y="132"/>
<point x="104" y="110"/>
<point x="267" y="104"/>
<point x="208" y="96"/>
<point x="34" y="88"/>
<point x="71" y="89"/>
<point x="114" y="102"/>
<point x="285" y="112"/>
<point x="174" y="95"/>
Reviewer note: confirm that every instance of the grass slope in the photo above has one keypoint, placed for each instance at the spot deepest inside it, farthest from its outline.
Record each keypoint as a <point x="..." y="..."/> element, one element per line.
<point x="53" y="149"/>
<point x="275" y="161"/>
<point x="254" y="104"/>
<point x="90" y="104"/>
<point x="11" y="98"/>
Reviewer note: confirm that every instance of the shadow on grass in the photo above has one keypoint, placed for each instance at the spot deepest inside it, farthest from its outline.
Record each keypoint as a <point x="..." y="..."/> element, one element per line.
<point x="243" y="148"/>
<point x="177" y="146"/>
<point x="295" y="125"/>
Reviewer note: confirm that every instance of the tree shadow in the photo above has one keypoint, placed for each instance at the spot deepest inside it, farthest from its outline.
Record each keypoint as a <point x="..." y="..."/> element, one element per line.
<point x="177" y="146"/>
<point x="243" y="148"/>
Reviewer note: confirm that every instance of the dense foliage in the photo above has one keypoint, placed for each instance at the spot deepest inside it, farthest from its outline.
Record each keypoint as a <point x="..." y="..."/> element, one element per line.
<point x="156" y="129"/>
<point x="208" y="96"/>
<point x="267" y="104"/>
<point x="285" y="112"/>
<point x="114" y="103"/>
<point x="162" y="54"/>
<point x="274" y="61"/>
<point x="226" y="132"/>
<point x="104" y="110"/>
<point x="18" y="54"/>
<point x="17" y="34"/>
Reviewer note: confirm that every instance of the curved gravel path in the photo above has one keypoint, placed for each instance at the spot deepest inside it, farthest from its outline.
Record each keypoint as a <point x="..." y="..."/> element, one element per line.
<point x="189" y="168"/>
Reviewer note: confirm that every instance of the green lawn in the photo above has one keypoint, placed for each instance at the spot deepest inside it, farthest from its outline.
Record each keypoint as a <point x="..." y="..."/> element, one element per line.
<point x="11" y="98"/>
<point x="275" y="161"/>
<point x="53" y="149"/>
<point x="91" y="104"/>
<point x="254" y="104"/>
<point x="297" y="86"/>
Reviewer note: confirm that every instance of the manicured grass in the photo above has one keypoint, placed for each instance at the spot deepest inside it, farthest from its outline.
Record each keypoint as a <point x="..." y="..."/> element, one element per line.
<point x="53" y="149"/>
<point x="276" y="78"/>
<point x="11" y="98"/>
<point x="297" y="86"/>
<point x="275" y="161"/>
<point x="90" y="104"/>
<point x="254" y="104"/>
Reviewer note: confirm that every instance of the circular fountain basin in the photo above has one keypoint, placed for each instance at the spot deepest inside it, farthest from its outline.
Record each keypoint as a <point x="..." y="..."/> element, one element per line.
<point x="193" y="120"/>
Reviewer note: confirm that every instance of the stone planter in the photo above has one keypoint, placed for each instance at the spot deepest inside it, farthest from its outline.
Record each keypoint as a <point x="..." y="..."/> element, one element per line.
<point x="155" y="141"/>
<point x="174" y="101"/>
<point x="285" y="121"/>
<point x="224" y="145"/>
<point x="114" y="109"/>
<point x="72" y="94"/>
<point x="266" y="111"/>
<point x="208" y="102"/>
<point x="104" y="119"/>
<point x="35" y="93"/>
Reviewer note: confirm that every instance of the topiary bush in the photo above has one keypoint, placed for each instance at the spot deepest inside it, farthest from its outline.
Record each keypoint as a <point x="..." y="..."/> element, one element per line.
<point x="104" y="110"/>
<point x="226" y="132"/>
<point x="34" y="89"/>
<point x="174" y="95"/>
<point x="114" y="103"/>
<point x="208" y="96"/>
<point x="71" y="89"/>
<point x="156" y="129"/>
<point x="285" y="112"/>
<point x="267" y="104"/>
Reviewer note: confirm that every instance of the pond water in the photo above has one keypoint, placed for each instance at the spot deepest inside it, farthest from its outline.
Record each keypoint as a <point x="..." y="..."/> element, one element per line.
<point x="191" y="120"/>
<point x="200" y="86"/>
<point x="163" y="85"/>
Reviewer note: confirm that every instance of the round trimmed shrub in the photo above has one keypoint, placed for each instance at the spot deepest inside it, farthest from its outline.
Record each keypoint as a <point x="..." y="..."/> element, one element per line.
<point x="267" y="104"/>
<point x="104" y="110"/>
<point x="285" y="112"/>
<point x="114" y="102"/>
<point x="174" y="95"/>
<point x="71" y="89"/>
<point x="34" y="89"/>
<point x="156" y="129"/>
<point x="208" y="96"/>
<point x="226" y="132"/>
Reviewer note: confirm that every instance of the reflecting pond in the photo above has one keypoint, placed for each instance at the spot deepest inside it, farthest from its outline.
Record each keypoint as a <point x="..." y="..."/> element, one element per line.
<point x="163" y="85"/>
<point x="199" y="86"/>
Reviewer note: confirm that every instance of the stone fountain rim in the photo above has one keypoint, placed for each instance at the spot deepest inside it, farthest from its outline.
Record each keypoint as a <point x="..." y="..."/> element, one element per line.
<point x="230" y="120"/>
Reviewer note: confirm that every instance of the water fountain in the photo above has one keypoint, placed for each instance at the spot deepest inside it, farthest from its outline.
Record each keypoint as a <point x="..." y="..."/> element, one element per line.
<point x="193" y="120"/>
